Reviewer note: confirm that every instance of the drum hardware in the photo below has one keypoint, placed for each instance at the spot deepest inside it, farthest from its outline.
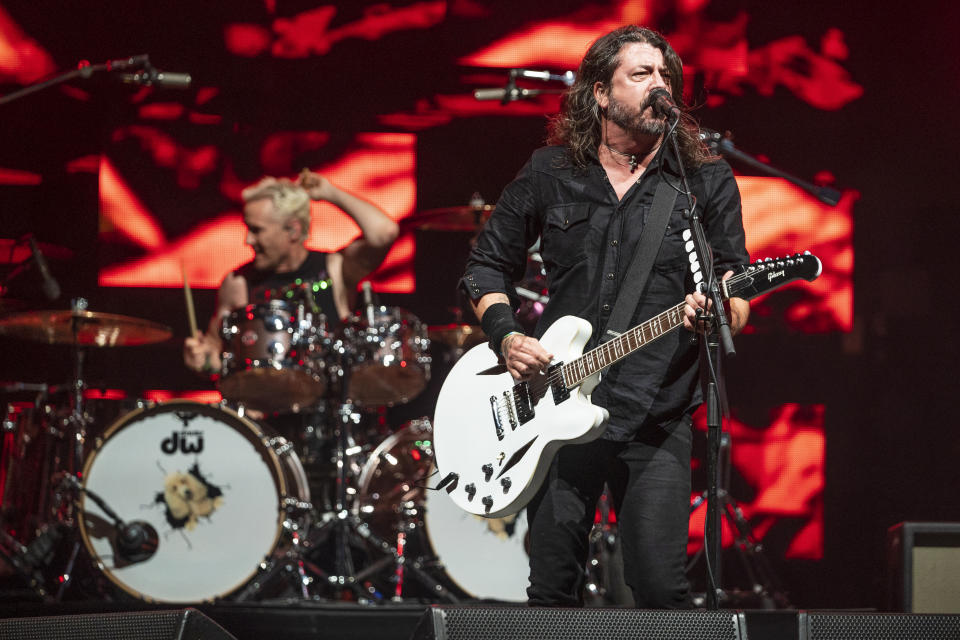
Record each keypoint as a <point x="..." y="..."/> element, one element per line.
<point x="344" y="527"/>
<point x="78" y="328"/>
<point x="447" y="550"/>
<point x="347" y="530"/>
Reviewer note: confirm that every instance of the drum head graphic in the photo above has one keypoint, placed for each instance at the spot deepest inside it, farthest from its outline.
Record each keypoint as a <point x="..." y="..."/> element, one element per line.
<point x="204" y="480"/>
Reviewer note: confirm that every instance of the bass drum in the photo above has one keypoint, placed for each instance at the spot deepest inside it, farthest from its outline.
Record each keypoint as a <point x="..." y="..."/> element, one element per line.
<point x="485" y="558"/>
<point x="214" y="487"/>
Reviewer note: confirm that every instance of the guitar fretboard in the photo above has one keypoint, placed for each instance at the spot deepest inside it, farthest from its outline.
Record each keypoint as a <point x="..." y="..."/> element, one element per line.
<point x="576" y="371"/>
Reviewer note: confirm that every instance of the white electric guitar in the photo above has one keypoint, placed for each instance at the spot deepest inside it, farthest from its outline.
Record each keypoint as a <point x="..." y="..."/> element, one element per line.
<point x="494" y="438"/>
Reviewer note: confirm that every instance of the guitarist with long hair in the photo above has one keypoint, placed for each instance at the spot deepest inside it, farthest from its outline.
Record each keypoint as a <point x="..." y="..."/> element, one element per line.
<point x="587" y="196"/>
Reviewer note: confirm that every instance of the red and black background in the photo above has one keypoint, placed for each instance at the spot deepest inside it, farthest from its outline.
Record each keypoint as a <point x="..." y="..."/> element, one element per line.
<point x="843" y="420"/>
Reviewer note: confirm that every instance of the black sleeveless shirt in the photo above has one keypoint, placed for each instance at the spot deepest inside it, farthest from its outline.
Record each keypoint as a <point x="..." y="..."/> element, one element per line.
<point x="310" y="278"/>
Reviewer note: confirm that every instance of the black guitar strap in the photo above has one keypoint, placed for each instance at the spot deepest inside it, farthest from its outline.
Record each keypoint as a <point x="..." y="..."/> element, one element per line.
<point x="639" y="270"/>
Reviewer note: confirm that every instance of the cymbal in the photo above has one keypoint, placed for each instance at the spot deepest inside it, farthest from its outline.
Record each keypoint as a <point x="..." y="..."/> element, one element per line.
<point x="466" y="218"/>
<point x="15" y="252"/>
<point x="92" y="329"/>
<point x="458" y="336"/>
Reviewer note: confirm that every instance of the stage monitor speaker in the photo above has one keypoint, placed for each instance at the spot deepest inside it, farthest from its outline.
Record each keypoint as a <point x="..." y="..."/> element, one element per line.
<point x="923" y="564"/>
<point x="816" y="625"/>
<point x="182" y="624"/>
<point x="529" y="623"/>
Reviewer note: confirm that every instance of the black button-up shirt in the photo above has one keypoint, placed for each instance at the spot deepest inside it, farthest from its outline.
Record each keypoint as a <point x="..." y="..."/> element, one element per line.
<point x="587" y="239"/>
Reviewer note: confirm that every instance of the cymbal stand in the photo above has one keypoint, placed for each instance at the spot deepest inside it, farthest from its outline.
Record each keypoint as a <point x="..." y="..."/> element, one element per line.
<point x="764" y="584"/>
<point x="65" y="510"/>
<point x="342" y="523"/>
<point x="404" y="565"/>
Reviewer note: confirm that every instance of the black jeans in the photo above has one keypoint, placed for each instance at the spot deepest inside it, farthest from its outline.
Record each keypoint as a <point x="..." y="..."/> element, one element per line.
<point x="649" y="479"/>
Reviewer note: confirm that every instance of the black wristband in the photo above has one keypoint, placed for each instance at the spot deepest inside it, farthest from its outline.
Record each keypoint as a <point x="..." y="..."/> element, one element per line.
<point x="498" y="321"/>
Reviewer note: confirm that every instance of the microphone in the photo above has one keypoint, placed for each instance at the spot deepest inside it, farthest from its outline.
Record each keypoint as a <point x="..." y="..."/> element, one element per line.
<point x="512" y="93"/>
<point x="151" y="77"/>
<point x="50" y="287"/>
<point x="662" y="103"/>
<point x="567" y="77"/>
<point x="137" y="541"/>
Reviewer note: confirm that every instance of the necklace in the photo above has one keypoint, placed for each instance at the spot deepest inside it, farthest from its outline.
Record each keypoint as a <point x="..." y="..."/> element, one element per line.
<point x="631" y="157"/>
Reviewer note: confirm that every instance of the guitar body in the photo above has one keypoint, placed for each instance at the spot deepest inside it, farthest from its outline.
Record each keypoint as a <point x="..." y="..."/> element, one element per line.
<point x="494" y="438"/>
<point x="465" y="436"/>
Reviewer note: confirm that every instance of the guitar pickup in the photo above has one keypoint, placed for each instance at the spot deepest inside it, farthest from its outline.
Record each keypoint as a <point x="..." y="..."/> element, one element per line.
<point x="558" y="388"/>
<point x="522" y="402"/>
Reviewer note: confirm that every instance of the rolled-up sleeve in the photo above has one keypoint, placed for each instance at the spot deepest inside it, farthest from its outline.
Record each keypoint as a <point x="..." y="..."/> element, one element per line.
<point x="499" y="257"/>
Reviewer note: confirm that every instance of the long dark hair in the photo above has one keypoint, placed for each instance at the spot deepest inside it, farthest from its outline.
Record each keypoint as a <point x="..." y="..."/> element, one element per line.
<point x="577" y="126"/>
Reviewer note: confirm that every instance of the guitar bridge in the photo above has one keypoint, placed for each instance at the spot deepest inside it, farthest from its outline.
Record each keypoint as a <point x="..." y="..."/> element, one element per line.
<point x="495" y="409"/>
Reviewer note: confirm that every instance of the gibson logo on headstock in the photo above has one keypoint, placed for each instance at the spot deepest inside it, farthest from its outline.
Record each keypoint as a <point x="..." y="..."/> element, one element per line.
<point x="775" y="274"/>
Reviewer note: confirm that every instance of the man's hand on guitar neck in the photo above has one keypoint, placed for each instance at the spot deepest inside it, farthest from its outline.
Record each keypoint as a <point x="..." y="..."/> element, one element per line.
<point x="524" y="356"/>
<point x="738" y="311"/>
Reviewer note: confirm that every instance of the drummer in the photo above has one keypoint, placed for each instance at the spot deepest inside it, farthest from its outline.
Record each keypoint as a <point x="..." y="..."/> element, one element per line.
<point x="277" y="214"/>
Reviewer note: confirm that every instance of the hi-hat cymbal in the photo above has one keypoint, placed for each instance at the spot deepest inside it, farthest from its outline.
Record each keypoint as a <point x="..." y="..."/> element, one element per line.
<point x="90" y="328"/>
<point x="465" y="218"/>
<point x="458" y="336"/>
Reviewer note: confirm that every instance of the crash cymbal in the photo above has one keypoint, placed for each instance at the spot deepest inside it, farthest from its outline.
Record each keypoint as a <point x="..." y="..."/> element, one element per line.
<point x="92" y="329"/>
<point x="15" y="251"/>
<point x="458" y="336"/>
<point x="467" y="218"/>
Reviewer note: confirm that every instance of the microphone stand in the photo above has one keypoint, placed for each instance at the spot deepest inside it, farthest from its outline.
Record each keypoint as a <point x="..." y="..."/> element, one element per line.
<point x="711" y="382"/>
<point x="84" y="71"/>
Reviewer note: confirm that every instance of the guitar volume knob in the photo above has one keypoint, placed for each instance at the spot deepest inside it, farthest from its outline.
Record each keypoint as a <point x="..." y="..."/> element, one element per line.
<point x="471" y="490"/>
<point x="487" y="502"/>
<point x="487" y="470"/>
<point x="505" y="483"/>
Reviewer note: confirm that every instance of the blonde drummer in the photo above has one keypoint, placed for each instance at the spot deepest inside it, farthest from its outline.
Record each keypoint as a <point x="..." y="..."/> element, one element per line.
<point x="277" y="215"/>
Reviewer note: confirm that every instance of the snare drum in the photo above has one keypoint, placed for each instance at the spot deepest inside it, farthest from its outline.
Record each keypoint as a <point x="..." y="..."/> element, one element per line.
<point x="387" y="356"/>
<point x="483" y="557"/>
<point x="273" y="357"/>
<point x="214" y="486"/>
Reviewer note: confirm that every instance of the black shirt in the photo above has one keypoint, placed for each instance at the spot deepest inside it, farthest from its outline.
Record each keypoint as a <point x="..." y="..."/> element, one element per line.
<point x="310" y="279"/>
<point x="587" y="240"/>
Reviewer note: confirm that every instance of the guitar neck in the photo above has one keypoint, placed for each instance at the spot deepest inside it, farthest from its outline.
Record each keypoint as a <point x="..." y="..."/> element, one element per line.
<point x="612" y="351"/>
<point x="754" y="279"/>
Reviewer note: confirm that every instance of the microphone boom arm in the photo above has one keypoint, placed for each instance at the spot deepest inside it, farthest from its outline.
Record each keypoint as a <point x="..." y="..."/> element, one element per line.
<point x="725" y="147"/>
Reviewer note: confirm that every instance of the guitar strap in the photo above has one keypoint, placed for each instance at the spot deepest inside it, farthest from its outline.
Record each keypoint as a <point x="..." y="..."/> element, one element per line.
<point x="637" y="273"/>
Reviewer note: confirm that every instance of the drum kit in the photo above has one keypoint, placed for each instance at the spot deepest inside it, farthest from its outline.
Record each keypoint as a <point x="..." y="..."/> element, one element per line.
<point x="181" y="501"/>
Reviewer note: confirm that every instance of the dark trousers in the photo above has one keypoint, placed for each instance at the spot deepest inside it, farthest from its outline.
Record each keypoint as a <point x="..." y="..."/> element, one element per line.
<point x="649" y="481"/>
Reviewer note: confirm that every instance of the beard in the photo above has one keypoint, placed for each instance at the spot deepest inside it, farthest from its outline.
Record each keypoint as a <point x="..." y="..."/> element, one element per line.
<point x="633" y="121"/>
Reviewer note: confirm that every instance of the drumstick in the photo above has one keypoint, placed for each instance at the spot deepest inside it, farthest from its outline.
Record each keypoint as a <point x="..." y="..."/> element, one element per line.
<point x="191" y="316"/>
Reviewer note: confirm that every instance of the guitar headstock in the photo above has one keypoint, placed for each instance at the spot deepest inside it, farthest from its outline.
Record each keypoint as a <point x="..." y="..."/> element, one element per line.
<point x="766" y="275"/>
